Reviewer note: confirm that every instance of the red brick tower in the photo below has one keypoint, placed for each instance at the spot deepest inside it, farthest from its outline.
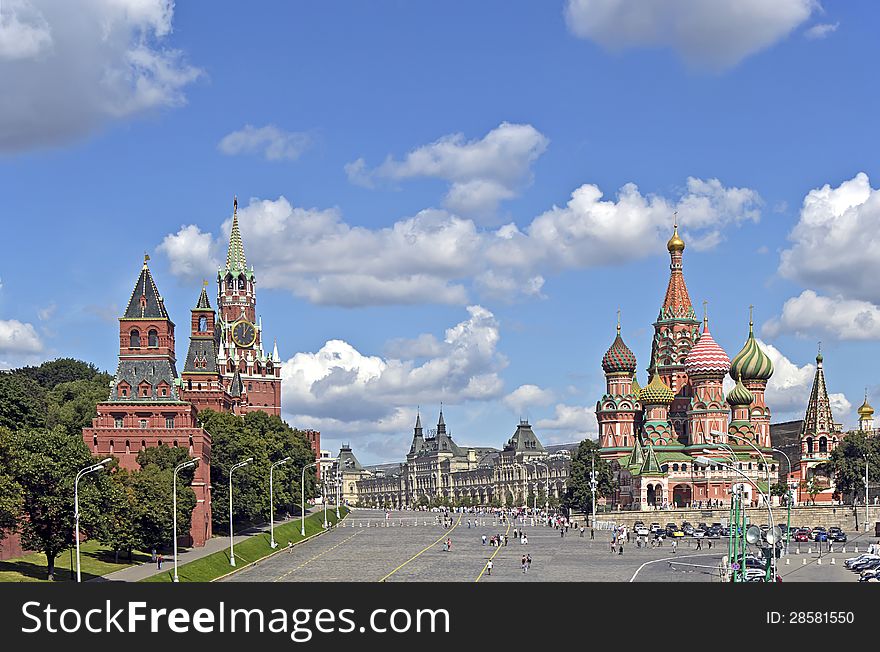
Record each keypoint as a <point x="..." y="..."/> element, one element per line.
<point x="248" y="374"/>
<point x="145" y="407"/>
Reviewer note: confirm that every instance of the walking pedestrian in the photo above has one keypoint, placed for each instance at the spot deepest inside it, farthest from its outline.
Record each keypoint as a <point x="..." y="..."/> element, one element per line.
<point x="489" y="567"/>
<point x="523" y="564"/>
<point x="484" y="539"/>
<point x="528" y="562"/>
<point x="699" y="544"/>
<point x="674" y="545"/>
<point x="159" y="561"/>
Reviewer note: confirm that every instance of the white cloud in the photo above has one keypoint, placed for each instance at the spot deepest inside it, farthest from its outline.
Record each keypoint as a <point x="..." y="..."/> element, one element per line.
<point x="18" y="338"/>
<point x="340" y="385"/>
<point x="192" y="254"/>
<point x="438" y="257"/>
<point x="24" y="32"/>
<point x="527" y="396"/>
<point x="834" y="317"/>
<point x="836" y="240"/>
<point x="709" y="34"/>
<point x="788" y="390"/>
<point x="272" y="143"/>
<point x="482" y="173"/>
<point x="820" y="31"/>
<point x="46" y="313"/>
<point x="573" y="422"/>
<point x="71" y="67"/>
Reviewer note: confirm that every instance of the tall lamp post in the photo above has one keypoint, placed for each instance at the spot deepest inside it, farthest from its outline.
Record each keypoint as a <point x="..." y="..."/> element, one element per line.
<point x="83" y="472"/>
<point x="324" y="500"/>
<point x="272" y="543"/>
<point x="866" y="492"/>
<point x="705" y="461"/>
<point x="302" y="495"/>
<point x="336" y="478"/>
<point x="179" y="467"/>
<point x="231" y="529"/>
<point x="788" y="496"/>
<point x="593" y="485"/>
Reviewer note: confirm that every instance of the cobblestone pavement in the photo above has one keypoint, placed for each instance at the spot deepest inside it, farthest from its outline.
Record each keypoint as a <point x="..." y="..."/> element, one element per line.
<point x="410" y="548"/>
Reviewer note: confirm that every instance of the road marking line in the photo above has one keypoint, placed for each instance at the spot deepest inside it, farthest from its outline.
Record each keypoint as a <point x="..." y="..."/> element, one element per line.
<point x="306" y="563"/>
<point x="445" y="534"/>
<point x="668" y="559"/>
<point x="497" y="550"/>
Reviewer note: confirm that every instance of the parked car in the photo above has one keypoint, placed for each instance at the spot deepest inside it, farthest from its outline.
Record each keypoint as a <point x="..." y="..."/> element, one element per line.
<point x="688" y="529"/>
<point x="802" y="535"/>
<point x="654" y="527"/>
<point x="839" y="537"/>
<point x="677" y="533"/>
<point x="699" y="534"/>
<point x="863" y="557"/>
<point x="820" y="536"/>
<point x="642" y="531"/>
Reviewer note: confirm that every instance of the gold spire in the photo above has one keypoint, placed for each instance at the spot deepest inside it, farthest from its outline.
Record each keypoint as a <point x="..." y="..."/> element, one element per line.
<point x="705" y="315"/>
<point x="675" y="242"/>
<point x="618" y="321"/>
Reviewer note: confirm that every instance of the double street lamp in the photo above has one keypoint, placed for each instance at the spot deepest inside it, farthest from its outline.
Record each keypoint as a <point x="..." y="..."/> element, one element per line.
<point x="83" y="472"/>
<point x="272" y="543"/>
<point x="231" y="529"/>
<point x="788" y="496"/>
<point x="179" y="467"/>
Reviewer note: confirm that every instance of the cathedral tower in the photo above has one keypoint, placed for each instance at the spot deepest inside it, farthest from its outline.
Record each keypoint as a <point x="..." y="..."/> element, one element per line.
<point x="706" y="366"/>
<point x="616" y="410"/>
<point x="754" y="368"/>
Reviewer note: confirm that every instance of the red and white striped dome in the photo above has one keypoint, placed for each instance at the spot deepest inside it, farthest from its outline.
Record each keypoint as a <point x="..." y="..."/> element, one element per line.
<point x="707" y="357"/>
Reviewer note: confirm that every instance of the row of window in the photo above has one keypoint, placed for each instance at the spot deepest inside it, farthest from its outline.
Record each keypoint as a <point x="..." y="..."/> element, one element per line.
<point x="143" y="444"/>
<point x="145" y="390"/>
<point x="258" y="368"/>
<point x="134" y="338"/>
<point x="119" y="422"/>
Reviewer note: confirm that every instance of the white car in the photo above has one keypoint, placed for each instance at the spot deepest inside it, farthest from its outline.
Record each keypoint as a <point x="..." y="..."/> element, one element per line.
<point x="642" y="531"/>
<point x="699" y="534"/>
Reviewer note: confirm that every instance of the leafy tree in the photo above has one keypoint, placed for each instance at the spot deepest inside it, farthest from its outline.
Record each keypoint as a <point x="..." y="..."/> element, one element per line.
<point x="495" y="501"/>
<point x="72" y="405"/>
<point x="45" y="464"/>
<point x="267" y="439"/>
<point x="62" y="370"/>
<point x="22" y="402"/>
<point x="10" y="490"/>
<point x="152" y="492"/>
<point x="579" y="495"/>
<point x="847" y="463"/>
<point x="811" y="487"/>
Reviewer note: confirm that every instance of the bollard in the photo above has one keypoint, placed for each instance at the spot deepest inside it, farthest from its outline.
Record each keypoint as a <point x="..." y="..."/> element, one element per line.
<point x="804" y="561"/>
<point x="810" y="550"/>
<point x="819" y="561"/>
<point x="832" y="561"/>
<point x="857" y="550"/>
<point x="788" y="561"/>
<point x="844" y="550"/>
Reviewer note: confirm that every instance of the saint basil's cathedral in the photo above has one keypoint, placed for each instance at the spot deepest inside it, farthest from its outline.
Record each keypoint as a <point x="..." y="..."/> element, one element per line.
<point x="653" y="434"/>
<point x="226" y="370"/>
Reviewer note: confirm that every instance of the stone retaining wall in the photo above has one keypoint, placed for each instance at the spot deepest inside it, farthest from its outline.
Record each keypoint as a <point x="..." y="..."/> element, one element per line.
<point x="801" y="516"/>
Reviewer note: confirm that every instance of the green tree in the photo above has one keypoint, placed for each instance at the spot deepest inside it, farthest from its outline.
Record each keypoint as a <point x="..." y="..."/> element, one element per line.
<point x="151" y="488"/>
<point x="847" y="463"/>
<point x="579" y="495"/>
<point x="72" y="405"/>
<point x="45" y="464"/>
<point x="22" y="402"/>
<point x="10" y="490"/>
<point x="62" y="370"/>
<point x="267" y="439"/>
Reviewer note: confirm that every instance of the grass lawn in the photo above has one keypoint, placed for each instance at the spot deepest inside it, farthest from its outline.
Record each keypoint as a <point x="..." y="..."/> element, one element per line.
<point x="95" y="560"/>
<point x="254" y="548"/>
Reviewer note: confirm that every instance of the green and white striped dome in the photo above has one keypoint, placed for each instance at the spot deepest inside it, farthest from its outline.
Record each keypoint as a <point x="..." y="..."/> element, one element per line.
<point x="751" y="363"/>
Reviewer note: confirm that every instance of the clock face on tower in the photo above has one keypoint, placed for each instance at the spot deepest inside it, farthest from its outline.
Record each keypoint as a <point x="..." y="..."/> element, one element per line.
<point x="243" y="333"/>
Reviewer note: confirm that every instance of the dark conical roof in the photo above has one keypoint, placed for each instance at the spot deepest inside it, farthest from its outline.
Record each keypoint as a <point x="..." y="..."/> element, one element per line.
<point x="236" y="388"/>
<point x="145" y="302"/>
<point x="203" y="302"/>
<point x="524" y="440"/>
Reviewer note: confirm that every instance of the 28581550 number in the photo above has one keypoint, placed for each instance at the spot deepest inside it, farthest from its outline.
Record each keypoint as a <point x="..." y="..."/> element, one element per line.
<point x="811" y="617"/>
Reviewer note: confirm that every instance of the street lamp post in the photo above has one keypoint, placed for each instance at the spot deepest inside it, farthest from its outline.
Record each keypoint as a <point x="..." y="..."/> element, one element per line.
<point x="866" y="492"/>
<point x="272" y="543"/>
<point x="593" y="486"/>
<point x="83" y="472"/>
<point x="179" y="467"/>
<point x="788" y="496"/>
<point x="705" y="461"/>
<point x="324" y="500"/>
<point x="302" y="495"/>
<point x="336" y="479"/>
<point x="231" y="528"/>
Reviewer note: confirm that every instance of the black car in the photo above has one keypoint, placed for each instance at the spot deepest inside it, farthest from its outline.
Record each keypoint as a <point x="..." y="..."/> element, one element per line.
<point x="839" y="536"/>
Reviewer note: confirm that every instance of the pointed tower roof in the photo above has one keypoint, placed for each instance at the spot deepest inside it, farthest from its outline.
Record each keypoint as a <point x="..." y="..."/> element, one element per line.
<point x="203" y="303"/>
<point x="236" y="387"/>
<point x="418" y="428"/>
<point x="677" y="302"/>
<point x="524" y="440"/>
<point x="637" y="457"/>
<point x="275" y="356"/>
<point x="347" y="461"/>
<point x="418" y="442"/>
<point x="650" y="466"/>
<point x="441" y="424"/>
<point x="145" y="302"/>
<point x="235" y="258"/>
<point x="818" y="418"/>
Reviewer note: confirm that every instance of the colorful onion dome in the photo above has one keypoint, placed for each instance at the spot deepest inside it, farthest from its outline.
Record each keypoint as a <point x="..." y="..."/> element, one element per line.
<point x="656" y="393"/>
<point x="751" y="363"/>
<point x="636" y="388"/>
<point x="675" y="242"/>
<point x="739" y="395"/>
<point x="707" y="357"/>
<point x="866" y="411"/>
<point x="618" y="358"/>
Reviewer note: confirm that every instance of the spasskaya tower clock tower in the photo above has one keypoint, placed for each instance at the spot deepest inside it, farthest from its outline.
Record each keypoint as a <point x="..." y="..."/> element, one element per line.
<point x="249" y="375"/>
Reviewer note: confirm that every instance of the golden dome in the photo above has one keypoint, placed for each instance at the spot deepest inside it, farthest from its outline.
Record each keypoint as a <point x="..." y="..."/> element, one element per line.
<point x="675" y="242"/>
<point x="866" y="411"/>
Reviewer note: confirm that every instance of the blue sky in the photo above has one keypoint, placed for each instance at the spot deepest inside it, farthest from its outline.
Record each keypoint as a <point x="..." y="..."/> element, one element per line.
<point x="419" y="188"/>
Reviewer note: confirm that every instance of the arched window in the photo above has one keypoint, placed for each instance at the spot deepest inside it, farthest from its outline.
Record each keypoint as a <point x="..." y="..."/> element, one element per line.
<point x="153" y="338"/>
<point x="242" y="283"/>
<point x="189" y="385"/>
<point x="203" y="324"/>
<point x="675" y="467"/>
<point x="268" y="367"/>
<point x="127" y="446"/>
<point x="134" y="339"/>
<point x="230" y="367"/>
<point x="809" y="445"/>
<point x="823" y="445"/>
<point x="684" y="467"/>
<point x="258" y="368"/>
